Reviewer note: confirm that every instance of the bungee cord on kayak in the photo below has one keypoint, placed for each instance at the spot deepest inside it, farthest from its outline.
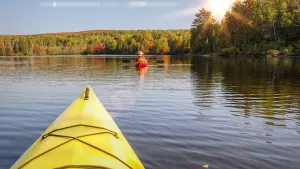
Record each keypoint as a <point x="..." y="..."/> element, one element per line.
<point x="77" y="125"/>
<point x="82" y="167"/>
<point x="71" y="138"/>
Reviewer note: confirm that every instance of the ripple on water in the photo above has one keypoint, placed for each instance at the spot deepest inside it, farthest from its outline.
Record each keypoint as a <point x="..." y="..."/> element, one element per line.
<point x="185" y="114"/>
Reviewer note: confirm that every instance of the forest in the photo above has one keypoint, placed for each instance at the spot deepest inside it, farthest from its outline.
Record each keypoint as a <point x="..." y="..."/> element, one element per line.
<point x="250" y="27"/>
<point x="97" y="42"/>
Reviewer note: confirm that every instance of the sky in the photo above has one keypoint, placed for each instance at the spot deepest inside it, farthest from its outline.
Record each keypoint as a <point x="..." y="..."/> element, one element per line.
<point x="19" y="17"/>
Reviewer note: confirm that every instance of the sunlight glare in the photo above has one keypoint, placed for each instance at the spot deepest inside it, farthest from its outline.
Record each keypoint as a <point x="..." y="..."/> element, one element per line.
<point x="218" y="7"/>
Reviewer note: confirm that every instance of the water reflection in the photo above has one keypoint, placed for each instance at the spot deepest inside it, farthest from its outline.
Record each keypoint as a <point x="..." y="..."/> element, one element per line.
<point x="183" y="113"/>
<point x="261" y="88"/>
<point x="141" y="71"/>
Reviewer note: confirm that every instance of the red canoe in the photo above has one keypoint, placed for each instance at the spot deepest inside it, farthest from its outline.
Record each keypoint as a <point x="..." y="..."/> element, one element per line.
<point x="141" y="65"/>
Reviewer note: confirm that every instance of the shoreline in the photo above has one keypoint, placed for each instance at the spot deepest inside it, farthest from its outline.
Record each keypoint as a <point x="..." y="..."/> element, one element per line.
<point x="236" y="56"/>
<point x="102" y="55"/>
<point x="185" y="55"/>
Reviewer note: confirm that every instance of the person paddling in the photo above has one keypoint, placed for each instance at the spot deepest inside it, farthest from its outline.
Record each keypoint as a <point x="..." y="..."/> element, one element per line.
<point x="140" y="60"/>
<point x="140" y="53"/>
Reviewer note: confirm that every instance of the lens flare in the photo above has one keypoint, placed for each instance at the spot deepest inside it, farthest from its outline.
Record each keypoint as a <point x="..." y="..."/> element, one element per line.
<point x="218" y="7"/>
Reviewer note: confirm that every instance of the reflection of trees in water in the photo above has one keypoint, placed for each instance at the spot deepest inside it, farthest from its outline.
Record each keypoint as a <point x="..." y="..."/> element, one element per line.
<point x="205" y="81"/>
<point x="71" y="66"/>
<point x="180" y="60"/>
<point x="266" y="88"/>
<point x="56" y="66"/>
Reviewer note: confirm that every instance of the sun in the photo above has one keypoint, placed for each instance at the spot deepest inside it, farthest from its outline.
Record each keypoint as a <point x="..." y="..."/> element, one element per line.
<point x="218" y="7"/>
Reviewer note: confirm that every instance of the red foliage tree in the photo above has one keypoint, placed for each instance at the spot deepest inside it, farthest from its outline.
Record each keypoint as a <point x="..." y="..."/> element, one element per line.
<point x="36" y="50"/>
<point x="97" y="48"/>
<point x="163" y="50"/>
<point x="151" y="45"/>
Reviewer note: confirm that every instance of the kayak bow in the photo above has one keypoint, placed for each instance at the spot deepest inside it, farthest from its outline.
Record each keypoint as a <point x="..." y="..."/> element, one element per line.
<point x="83" y="136"/>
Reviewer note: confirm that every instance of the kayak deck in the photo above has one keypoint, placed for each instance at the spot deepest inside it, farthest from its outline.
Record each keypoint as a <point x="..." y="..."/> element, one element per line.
<point x="83" y="136"/>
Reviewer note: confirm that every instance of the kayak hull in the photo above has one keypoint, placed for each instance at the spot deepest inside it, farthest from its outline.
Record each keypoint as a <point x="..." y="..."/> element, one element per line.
<point x="83" y="135"/>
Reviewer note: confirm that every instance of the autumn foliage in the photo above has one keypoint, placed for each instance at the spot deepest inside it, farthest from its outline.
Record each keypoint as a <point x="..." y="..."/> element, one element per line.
<point x="97" y="48"/>
<point x="250" y="27"/>
<point x="98" y="42"/>
<point x="36" y="49"/>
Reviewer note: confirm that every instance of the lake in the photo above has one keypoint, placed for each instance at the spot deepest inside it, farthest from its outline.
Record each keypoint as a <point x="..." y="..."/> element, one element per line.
<point x="185" y="113"/>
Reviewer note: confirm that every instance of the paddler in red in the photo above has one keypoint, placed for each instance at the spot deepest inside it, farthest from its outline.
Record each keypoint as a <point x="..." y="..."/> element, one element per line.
<point x="140" y="53"/>
<point x="140" y="60"/>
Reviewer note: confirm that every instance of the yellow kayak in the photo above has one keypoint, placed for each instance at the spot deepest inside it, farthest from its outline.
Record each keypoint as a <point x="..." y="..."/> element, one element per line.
<point x="83" y="136"/>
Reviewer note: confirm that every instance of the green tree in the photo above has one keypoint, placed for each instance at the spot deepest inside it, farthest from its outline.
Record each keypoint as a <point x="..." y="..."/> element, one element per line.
<point x="203" y="32"/>
<point x="162" y="46"/>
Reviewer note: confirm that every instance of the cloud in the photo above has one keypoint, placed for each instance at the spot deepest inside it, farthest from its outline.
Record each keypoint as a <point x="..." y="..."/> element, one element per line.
<point x="187" y="11"/>
<point x="151" y="4"/>
<point x="107" y="4"/>
<point x="111" y="4"/>
<point x="71" y="4"/>
<point x="217" y="7"/>
<point x="182" y="13"/>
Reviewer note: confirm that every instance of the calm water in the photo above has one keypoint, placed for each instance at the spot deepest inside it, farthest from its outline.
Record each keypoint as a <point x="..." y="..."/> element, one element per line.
<point x="188" y="112"/>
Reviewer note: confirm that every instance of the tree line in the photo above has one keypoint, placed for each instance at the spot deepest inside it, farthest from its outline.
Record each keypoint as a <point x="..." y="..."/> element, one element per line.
<point x="97" y="42"/>
<point x="250" y="27"/>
